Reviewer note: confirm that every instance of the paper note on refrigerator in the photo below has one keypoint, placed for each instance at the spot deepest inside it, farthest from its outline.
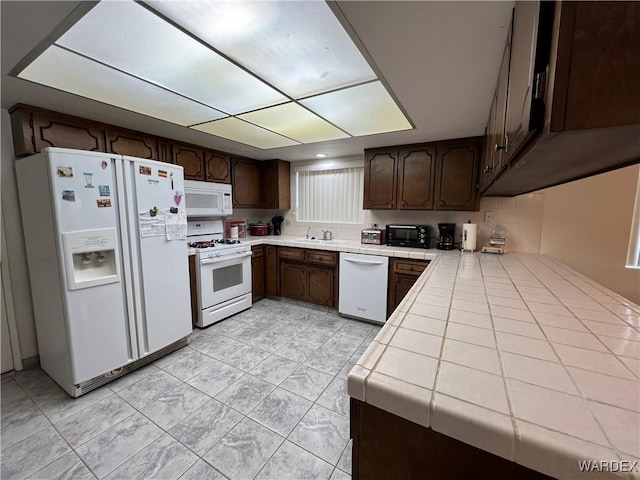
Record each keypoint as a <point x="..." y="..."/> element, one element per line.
<point x="176" y="225"/>
<point x="152" y="226"/>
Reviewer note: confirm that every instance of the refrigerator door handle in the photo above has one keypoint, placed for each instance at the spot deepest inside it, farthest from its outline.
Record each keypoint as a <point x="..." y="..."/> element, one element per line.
<point x="126" y="259"/>
<point x="134" y="243"/>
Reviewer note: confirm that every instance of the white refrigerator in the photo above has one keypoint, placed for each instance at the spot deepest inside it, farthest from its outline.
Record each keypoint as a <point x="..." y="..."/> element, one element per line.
<point x="107" y="256"/>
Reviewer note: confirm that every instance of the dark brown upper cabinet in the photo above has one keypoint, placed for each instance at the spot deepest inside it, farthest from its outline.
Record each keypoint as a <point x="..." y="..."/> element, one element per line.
<point x="191" y="159"/>
<point x="416" y="177"/>
<point x="217" y="167"/>
<point x="35" y="129"/>
<point x="246" y="181"/>
<point x="276" y="184"/>
<point x="457" y="175"/>
<point x="428" y="176"/>
<point x="572" y="104"/>
<point x="380" y="185"/>
<point x="131" y="143"/>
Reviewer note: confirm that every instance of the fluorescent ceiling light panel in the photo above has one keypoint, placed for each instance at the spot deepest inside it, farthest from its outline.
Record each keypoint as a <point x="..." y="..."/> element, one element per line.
<point x="129" y="37"/>
<point x="295" y="122"/>
<point x="69" y="72"/>
<point x="243" y="132"/>
<point x="361" y="110"/>
<point x="299" y="47"/>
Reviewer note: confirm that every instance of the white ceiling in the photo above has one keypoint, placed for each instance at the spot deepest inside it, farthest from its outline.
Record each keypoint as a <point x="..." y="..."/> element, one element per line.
<point x="440" y="60"/>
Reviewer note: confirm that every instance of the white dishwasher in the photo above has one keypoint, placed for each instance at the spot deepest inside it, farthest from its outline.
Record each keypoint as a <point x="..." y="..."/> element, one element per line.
<point x="363" y="286"/>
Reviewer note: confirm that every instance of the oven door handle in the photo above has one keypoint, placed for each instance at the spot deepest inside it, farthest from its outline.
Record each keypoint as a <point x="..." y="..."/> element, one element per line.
<point x="208" y="261"/>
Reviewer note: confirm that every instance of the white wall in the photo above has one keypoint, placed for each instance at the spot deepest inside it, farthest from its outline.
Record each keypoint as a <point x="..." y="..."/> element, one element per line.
<point x="586" y="225"/>
<point x="17" y="259"/>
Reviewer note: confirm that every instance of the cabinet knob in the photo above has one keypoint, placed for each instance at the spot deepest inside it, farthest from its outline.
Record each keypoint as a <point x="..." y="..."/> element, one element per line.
<point x="498" y="147"/>
<point x="403" y="203"/>
<point x="488" y="169"/>
<point x="391" y="203"/>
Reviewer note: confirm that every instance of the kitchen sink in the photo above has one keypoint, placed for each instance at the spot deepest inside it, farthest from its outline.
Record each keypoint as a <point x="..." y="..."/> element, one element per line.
<point x="319" y="240"/>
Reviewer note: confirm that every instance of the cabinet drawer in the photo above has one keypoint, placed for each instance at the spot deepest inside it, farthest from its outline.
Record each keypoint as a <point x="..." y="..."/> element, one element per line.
<point x="321" y="256"/>
<point x="257" y="251"/>
<point x="291" y="253"/>
<point x="408" y="267"/>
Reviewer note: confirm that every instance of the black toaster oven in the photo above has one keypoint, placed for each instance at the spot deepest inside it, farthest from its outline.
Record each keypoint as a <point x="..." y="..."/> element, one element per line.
<point x="414" y="236"/>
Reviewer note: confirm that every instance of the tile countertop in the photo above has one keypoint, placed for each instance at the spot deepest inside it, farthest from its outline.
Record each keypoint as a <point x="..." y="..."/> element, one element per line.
<point x="352" y="246"/>
<point x="517" y="355"/>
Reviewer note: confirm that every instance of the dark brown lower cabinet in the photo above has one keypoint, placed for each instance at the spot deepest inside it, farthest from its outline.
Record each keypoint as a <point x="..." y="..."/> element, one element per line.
<point x="403" y="274"/>
<point x="308" y="275"/>
<point x="320" y="283"/>
<point x="271" y="270"/>
<point x="257" y="273"/>
<point x="293" y="280"/>
<point x="386" y="446"/>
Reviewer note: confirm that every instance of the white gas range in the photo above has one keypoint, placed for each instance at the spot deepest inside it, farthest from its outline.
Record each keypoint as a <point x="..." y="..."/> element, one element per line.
<point x="223" y="272"/>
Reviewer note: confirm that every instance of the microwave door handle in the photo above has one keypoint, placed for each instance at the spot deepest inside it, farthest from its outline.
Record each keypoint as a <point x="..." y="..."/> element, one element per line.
<point x="208" y="261"/>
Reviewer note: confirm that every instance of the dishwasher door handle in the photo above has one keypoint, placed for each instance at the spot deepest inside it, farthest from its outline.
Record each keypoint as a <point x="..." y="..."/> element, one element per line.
<point x="363" y="262"/>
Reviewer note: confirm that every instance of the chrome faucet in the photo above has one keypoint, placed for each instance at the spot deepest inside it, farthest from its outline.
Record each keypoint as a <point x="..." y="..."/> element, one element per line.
<point x="327" y="235"/>
<point x="308" y="231"/>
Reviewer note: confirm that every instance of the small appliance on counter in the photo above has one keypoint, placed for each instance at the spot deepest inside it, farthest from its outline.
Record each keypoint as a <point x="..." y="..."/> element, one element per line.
<point x="258" y="229"/>
<point x="235" y="229"/>
<point x="415" y="236"/>
<point x="277" y="224"/>
<point x="497" y="241"/>
<point x="469" y="237"/>
<point x="446" y="232"/>
<point x="372" y="236"/>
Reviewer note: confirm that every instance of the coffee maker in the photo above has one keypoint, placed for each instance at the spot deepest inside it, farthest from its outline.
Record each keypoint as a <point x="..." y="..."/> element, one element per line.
<point x="277" y="224"/>
<point x="446" y="233"/>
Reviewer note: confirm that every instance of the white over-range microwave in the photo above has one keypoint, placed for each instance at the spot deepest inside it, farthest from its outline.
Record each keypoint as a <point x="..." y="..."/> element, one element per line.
<point x="205" y="199"/>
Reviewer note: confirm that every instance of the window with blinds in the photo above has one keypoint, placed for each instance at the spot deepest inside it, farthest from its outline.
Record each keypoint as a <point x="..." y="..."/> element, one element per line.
<point x="330" y="195"/>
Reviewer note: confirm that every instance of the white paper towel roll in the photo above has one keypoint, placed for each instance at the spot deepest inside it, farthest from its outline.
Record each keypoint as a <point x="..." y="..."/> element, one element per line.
<point x="469" y="236"/>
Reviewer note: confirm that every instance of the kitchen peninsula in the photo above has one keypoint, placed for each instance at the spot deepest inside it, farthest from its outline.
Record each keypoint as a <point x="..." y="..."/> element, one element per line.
<point x="514" y="355"/>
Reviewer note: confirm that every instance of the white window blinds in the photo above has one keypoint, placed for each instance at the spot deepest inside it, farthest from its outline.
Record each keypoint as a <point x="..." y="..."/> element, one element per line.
<point x="330" y="196"/>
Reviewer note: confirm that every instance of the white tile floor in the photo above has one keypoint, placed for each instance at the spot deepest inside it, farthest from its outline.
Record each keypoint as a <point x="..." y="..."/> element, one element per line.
<point x="259" y="395"/>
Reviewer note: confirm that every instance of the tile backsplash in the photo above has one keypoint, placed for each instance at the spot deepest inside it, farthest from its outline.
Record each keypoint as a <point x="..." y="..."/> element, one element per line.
<point x="520" y="216"/>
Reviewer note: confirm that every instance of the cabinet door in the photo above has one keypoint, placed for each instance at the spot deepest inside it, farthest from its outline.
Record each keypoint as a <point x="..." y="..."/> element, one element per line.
<point x="191" y="159"/>
<point x="257" y="272"/>
<point x="271" y="270"/>
<point x="486" y="173"/>
<point x="416" y="177"/>
<point x="276" y="184"/>
<point x="521" y="75"/>
<point x="133" y="144"/>
<point x="217" y="167"/>
<point x="380" y="170"/>
<point x="293" y="280"/>
<point x="456" y="175"/>
<point x="245" y="179"/>
<point x="399" y="287"/>
<point x="320" y="286"/>
<point x="597" y="75"/>
<point x="52" y="130"/>
<point x="500" y="141"/>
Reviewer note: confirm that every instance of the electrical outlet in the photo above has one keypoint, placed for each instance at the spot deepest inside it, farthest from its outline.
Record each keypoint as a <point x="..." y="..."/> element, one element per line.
<point x="287" y="223"/>
<point x="488" y="216"/>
